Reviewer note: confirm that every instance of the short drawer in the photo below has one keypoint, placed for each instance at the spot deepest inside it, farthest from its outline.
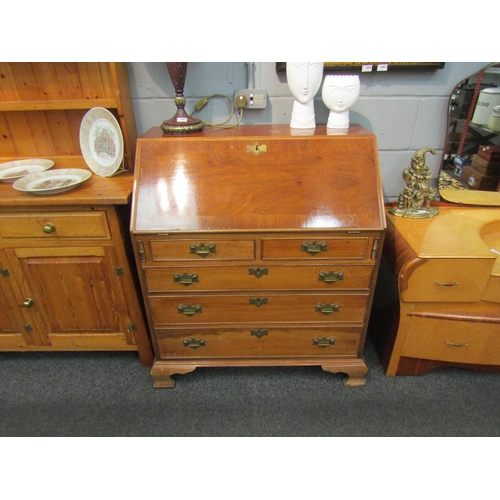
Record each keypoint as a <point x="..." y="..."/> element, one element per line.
<point x="453" y="341"/>
<point x="192" y="279"/>
<point x="256" y="342"/>
<point x="55" y="225"/>
<point x="313" y="308"/>
<point x="208" y="249"/>
<point x="317" y="248"/>
<point x="446" y="280"/>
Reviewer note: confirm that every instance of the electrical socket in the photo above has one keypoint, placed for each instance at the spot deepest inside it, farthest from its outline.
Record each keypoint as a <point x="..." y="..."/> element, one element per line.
<point x="255" y="98"/>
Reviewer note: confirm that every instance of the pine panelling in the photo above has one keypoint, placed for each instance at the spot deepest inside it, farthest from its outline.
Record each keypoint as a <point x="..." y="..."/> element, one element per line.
<point x="42" y="105"/>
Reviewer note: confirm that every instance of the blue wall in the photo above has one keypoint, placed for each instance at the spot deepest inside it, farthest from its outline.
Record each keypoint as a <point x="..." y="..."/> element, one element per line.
<point x="406" y="110"/>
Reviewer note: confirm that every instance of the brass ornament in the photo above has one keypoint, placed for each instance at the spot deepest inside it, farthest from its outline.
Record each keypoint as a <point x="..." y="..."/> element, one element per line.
<point x="414" y="201"/>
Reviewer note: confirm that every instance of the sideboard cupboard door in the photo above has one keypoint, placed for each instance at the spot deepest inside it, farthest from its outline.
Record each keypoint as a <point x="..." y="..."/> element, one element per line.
<point x="73" y="295"/>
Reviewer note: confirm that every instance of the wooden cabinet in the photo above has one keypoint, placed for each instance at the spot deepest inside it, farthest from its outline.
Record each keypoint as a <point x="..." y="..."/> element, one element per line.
<point x="256" y="247"/>
<point x="67" y="274"/>
<point x="71" y="287"/>
<point x="444" y="309"/>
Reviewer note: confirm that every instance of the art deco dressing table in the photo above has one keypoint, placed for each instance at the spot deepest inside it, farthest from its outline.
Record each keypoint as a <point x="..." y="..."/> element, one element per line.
<point x="256" y="247"/>
<point x="438" y="298"/>
<point x="437" y="303"/>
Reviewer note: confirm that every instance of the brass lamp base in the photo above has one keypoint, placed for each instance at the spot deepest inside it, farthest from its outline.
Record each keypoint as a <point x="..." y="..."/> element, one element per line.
<point x="181" y="123"/>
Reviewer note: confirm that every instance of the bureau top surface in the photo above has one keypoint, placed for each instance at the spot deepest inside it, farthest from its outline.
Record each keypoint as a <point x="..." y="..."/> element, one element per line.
<point x="257" y="178"/>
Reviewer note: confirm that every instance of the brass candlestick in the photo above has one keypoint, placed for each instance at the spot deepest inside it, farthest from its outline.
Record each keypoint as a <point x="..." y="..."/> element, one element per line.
<point x="181" y="123"/>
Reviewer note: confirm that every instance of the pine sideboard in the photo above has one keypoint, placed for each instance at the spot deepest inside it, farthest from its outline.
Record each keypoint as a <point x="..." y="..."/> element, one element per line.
<point x="67" y="273"/>
<point x="257" y="247"/>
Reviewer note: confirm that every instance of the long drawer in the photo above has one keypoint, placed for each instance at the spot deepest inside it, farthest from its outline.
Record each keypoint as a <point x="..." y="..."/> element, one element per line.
<point x="453" y="341"/>
<point x="311" y="277"/>
<point x="54" y="225"/>
<point x="256" y="342"/>
<point x="262" y="308"/>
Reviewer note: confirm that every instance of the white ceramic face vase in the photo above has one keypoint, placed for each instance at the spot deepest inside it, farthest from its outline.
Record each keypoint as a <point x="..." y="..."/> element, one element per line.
<point x="304" y="81"/>
<point x="339" y="94"/>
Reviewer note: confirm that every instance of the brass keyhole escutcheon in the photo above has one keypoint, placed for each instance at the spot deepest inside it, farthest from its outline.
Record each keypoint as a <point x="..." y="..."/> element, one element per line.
<point x="49" y="228"/>
<point x="28" y="303"/>
<point x="258" y="272"/>
<point x="257" y="150"/>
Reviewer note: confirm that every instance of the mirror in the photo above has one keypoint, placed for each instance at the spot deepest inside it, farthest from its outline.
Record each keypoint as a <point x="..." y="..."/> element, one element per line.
<point x="470" y="168"/>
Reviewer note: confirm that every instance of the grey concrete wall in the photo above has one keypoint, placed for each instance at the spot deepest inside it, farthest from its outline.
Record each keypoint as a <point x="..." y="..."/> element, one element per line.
<point x="406" y="111"/>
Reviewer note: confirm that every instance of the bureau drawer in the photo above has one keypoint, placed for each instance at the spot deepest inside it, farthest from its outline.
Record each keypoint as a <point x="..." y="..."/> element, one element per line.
<point x="321" y="248"/>
<point x="321" y="277"/>
<point x="453" y="341"/>
<point x="257" y="342"/>
<point x="446" y="280"/>
<point x="167" y="250"/>
<point x="196" y="309"/>
<point x="55" y="225"/>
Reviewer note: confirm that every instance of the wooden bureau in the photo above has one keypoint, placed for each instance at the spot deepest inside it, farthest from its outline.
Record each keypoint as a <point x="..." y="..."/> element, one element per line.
<point x="438" y="298"/>
<point x="257" y="247"/>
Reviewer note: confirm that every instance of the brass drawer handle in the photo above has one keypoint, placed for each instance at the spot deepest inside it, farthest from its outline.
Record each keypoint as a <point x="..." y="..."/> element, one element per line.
<point x="457" y="345"/>
<point x="327" y="308"/>
<point x="331" y="277"/>
<point x="193" y="343"/>
<point x="189" y="310"/>
<point x="323" y="342"/>
<point x="202" y="250"/>
<point x="258" y="272"/>
<point x="28" y="303"/>
<point x="314" y="247"/>
<point x="258" y="301"/>
<point x="49" y="228"/>
<point x="455" y="283"/>
<point x="185" y="279"/>
<point x="258" y="333"/>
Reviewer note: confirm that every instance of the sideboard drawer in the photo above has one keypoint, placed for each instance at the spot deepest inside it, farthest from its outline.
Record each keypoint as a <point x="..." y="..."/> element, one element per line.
<point x="446" y="280"/>
<point x="318" y="248"/>
<point x="313" y="308"/>
<point x="259" y="342"/>
<point x="91" y="224"/>
<point x="453" y="341"/>
<point x="202" y="249"/>
<point x="321" y="277"/>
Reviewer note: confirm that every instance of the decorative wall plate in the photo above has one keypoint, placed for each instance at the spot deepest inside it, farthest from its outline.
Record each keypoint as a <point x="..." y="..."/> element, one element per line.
<point x="53" y="182"/>
<point x="101" y="142"/>
<point x="13" y="170"/>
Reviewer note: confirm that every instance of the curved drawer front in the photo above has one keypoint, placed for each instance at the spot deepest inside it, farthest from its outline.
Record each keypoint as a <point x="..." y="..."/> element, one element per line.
<point x="314" y="248"/>
<point x="453" y="341"/>
<point x="54" y="225"/>
<point x="195" y="309"/>
<point x="259" y="342"/>
<point x="447" y="280"/>
<point x="321" y="277"/>
<point x="201" y="250"/>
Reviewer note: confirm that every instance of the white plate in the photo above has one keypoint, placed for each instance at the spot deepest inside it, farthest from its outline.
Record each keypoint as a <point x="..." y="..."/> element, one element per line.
<point x="13" y="170"/>
<point x="53" y="182"/>
<point x="101" y="142"/>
